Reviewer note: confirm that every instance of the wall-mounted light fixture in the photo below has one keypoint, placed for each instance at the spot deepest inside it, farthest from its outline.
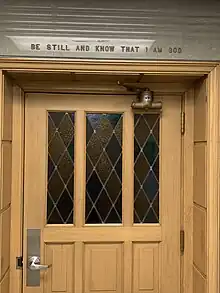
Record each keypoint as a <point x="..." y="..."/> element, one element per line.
<point x="144" y="100"/>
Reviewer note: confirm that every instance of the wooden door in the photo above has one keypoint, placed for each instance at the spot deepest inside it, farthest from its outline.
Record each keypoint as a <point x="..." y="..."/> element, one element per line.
<point x="102" y="184"/>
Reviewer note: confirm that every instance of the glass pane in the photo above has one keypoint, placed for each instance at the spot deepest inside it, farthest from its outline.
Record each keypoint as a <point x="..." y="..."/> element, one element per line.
<point x="60" y="186"/>
<point x="146" y="168"/>
<point x="103" y="168"/>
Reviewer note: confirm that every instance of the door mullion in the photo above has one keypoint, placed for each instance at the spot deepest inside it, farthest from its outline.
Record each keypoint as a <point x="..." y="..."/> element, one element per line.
<point x="80" y="165"/>
<point x="128" y="168"/>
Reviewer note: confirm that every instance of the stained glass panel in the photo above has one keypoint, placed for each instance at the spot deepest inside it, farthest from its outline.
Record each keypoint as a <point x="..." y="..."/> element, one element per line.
<point x="103" y="168"/>
<point x="146" y="168"/>
<point x="60" y="168"/>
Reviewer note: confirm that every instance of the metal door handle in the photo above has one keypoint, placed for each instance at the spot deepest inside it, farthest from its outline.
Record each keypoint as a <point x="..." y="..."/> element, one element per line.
<point x="34" y="264"/>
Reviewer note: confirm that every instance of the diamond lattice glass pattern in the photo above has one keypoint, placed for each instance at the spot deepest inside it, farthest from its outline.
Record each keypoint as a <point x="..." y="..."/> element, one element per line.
<point x="146" y="168"/>
<point x="60" y="168"/>
<point x="103" y="168"/>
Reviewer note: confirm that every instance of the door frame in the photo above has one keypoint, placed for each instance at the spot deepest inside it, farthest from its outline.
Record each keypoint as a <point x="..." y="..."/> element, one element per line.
<point x="128" y="67"/>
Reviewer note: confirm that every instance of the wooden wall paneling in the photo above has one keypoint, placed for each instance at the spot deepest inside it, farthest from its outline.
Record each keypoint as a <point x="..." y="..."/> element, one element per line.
<point x="6" y="167"/>
<point x="213" y="188"/>
<point x="1" y="196"/>
<point x="5" y="239"/>
<point x="200" y="111"/>
<point x="200" y="184"/>
<point x="199" y="282"/>
<point x="6" y="99"/>
<point x="4" y="283"/>
<point x="200" y="170"/>
<point x="17" y="188"/>
<point x="1" y="124"/>
<point x="7" y="109"/>
<point x="200" y="239"/>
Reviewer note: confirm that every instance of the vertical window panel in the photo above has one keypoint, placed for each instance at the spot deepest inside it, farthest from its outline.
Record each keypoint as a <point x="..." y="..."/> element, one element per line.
<point x="103" y="168"/>
<point x="146" y="168"/>
<point x="60" y="189"/>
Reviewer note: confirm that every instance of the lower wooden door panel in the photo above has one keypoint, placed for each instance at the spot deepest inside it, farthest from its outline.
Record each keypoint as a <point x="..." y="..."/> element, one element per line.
<point x="102" y="267"/>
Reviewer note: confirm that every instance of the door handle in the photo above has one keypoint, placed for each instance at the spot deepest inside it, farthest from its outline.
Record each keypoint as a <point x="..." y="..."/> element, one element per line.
<point x="34" y="264"/>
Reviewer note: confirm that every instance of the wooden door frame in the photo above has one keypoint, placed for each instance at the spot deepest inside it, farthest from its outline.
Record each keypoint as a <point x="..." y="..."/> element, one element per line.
<point x="129" y="67"/>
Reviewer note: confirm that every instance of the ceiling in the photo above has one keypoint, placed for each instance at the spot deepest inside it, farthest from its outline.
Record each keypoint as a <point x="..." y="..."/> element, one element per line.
<point x="90" y="82"/>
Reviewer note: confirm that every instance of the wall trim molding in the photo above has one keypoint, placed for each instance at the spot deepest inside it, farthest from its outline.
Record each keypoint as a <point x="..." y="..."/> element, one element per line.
<point x="122" y="67"/>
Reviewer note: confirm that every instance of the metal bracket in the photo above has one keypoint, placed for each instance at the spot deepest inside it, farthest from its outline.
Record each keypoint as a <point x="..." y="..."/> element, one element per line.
<point x="19" y="262"/>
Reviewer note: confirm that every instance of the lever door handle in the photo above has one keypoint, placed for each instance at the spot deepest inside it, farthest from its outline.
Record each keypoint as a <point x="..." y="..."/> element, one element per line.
<point x="34" y="264"/>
